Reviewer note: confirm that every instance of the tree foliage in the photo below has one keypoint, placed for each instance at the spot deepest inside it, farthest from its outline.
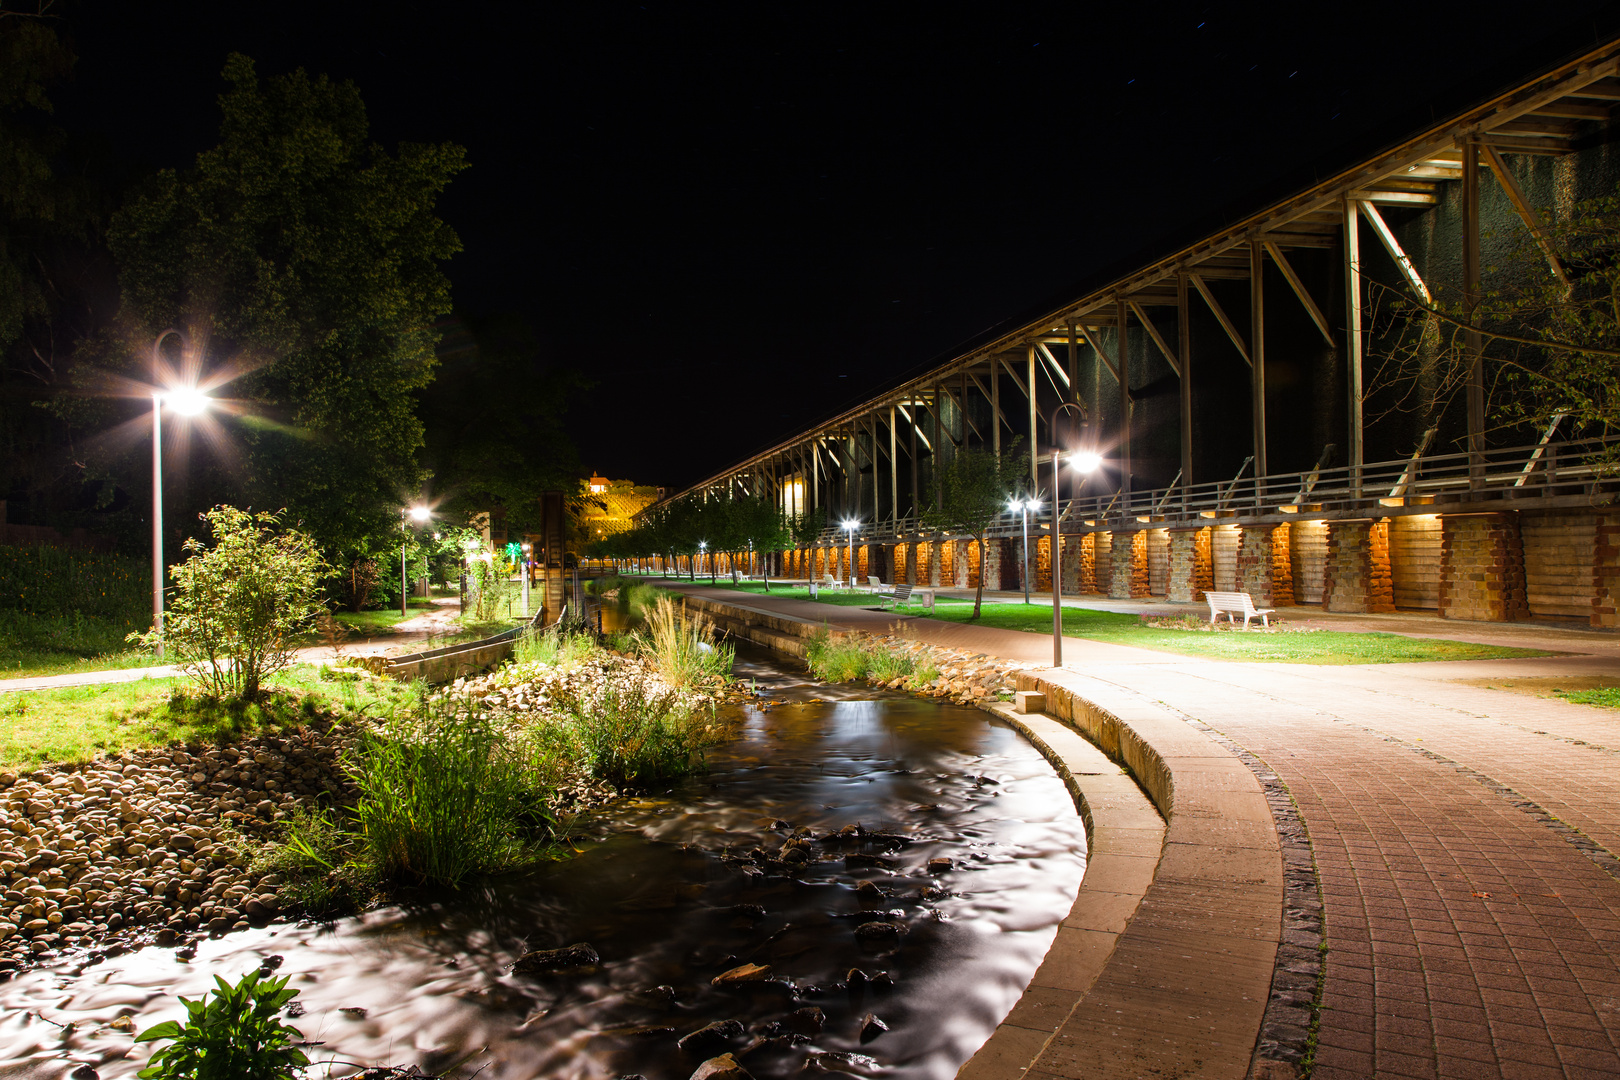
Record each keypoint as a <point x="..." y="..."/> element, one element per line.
<point x="309" y="258"/>
<point x="974" y="488"/>
<point x="1548" y="348"/>
<point x="237" y="607"/>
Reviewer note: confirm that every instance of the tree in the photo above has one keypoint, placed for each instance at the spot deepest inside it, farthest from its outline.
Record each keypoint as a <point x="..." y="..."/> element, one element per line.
<point x="766" y="527"/>
<point x="1549" y="348"/>
<point x="309" y="259"/>
<point x="236" y="607"/>
<point x="974" y="487"/>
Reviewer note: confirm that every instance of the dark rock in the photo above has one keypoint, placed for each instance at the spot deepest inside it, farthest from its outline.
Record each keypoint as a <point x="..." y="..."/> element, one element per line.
<point x="84" y="1072"/>
<point x="869" y="892"/>
<point x="939" y="866"/>
<point x="806" y="1021"/>
<point x="724" y="1067"/>
<point x="657" y="997"/>
<point x="855" y="859"/>
<point x="883" y="981"/>
<point x="270" y="963"/>
<point x="855" y="978"/>
<point x="711" y="1037"/>
<point x="354" y="1012"/>
<point x="294" y="1008"/>
<point x="165" y="936"/>
<point x="746" y="973"/>
<point x="749" y="911"/>
<point x="880" y="931"/>
<point x="872" y="1027"/>
<point x="577" y="955"/>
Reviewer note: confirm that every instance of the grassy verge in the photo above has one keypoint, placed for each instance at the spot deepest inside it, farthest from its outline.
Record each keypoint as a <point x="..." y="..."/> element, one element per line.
<point x="1283" y="646"/>
<point x="78" y="722"/>
<point x="382" y="620"/>
<point x="1608" y="696"/>
<point x="33" y="645"/>
<point x="839" y="596"/>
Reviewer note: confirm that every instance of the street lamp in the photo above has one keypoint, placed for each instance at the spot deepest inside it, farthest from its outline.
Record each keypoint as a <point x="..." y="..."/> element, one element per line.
<point x="419" y="514"/>
<point x="703" y="545"/>
<point x="187" y="401"/>
<point x="1024" y="506"/>
<point x="528" y="549"/>
<point x="850" y="525"/>
<point x="1085" y="462"/>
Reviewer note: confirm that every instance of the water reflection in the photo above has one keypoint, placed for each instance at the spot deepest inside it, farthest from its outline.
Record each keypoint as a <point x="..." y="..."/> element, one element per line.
<point x="671" y="890"/>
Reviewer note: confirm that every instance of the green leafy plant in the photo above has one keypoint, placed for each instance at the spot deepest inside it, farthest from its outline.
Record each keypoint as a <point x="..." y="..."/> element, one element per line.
<point x="238" y="608"/>
<point x="444" y="794"/>
<point x="231" y="1033"/>
<point x="635" y="735"/>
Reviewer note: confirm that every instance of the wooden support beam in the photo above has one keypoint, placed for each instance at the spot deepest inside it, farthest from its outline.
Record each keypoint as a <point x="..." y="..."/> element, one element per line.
<point x="894" y="471"/>
<point x="1095" y="339"/>
<point x="1184" y="339"/>
<point x="1396" y="252"/>
<point x="1300" y="291"/>
<point x="1352" y="280"/>
<point x="1052" y="362"/>
<point x="1017" y="380"/>
<point x="1527" y="213"/>
<point x="1122" y="325"/>
<point x="1257" y="333"/>
<point x="1153" y="334"/>
<point x="1034" y="432"/>
<point x="1394" y="198"/>
<point x="1220" y="317"/>
<point x="967" y="422"/>
<point x="1471" y="338"/>
<point x="1074" y="368"/>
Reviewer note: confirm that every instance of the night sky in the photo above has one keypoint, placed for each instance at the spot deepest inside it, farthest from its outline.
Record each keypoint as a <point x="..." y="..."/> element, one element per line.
<point x="738" y="219"/>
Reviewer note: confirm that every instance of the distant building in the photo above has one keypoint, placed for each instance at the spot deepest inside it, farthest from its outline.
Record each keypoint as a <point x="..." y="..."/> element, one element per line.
<point x="609" y="505"/>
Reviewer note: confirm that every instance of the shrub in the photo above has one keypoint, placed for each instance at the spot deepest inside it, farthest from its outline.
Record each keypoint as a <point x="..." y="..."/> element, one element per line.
<point x="554" y="648"/>
<point x="444" y="795"/>
<point x="315" y="856"/>
<point x="238" y="606"/>
<point x="635" y="735"/>
<point x="679" y="645"/>
<point x="837" y="660"/>
<point x="231" y="1033"/>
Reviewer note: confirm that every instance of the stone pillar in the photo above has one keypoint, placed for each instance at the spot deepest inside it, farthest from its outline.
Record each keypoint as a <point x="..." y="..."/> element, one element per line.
<point x="1128" y="577"/>
<point x="1086" y="564"/>
<point x="1102" y="560"/>
<point x="947" y="563"/>
<point x="1189" y="565"/>
<point x="1042" y="566"/>
<point x="1073" y="555"/>
<point x="1264" y="569"/>
<point x="935" y="551"/>
<point x="1606" y="572"/>
<point x="1358" y="577"/>
<point x="1482" y="568"/>
<point x="990" y="569"/>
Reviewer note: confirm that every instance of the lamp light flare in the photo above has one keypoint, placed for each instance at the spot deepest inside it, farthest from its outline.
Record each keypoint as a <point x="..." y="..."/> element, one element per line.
<point x="851" y="524"/>
<point x="421" y="513"/>
<point x="188" y="401"/>
<point x="1086" y="461"/>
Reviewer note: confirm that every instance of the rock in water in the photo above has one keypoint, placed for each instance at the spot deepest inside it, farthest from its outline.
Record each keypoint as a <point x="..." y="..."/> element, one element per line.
<point x="747" y="973"/>
<point x="855" y="978"/>
<point x="879" y="931"/>
<point x="872" y="1027"/>
<point x="806" y="1021"/>
<point x="711" y="1037"/>
<point x="869" y="891"/>
<point x="724" y="1067"/>
<point x="577" y="955"/>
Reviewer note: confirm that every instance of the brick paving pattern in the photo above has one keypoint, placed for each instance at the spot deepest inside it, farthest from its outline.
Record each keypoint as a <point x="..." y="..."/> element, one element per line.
<point x="1466" y="937"/>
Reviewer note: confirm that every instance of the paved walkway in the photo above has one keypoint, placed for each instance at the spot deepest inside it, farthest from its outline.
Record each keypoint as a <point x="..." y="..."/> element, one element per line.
<point x="1465" y="837"/>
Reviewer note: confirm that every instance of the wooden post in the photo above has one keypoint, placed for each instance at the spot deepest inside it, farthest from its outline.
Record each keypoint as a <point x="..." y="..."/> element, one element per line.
<point x="894" y="474"/>
<point x="995" y="405"/>
<point x="939" y="478"/>
<point x="877" y="509"/>
<point x="1122" y="359"/>
<point x="1034" y="431"/>
<point x="916" y="489"/>
<point x="1352" y="310"/>
<point x="1257" y="354"/>
<point x="1184" y="347"/>
<point x="1471" y="339"/>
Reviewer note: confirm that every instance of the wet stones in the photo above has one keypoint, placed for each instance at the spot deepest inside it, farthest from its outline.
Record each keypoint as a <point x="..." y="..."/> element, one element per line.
<point x="724" y="1067"/>
<point x="870" y="892"/>
<point x="578" y="955"/>
<point x="745" y="973"/>
<point x="806" y="1021"/>
<point x="872" y="1027"/>
<point x="880" y="930"/>
<point x="711" y="1038"/>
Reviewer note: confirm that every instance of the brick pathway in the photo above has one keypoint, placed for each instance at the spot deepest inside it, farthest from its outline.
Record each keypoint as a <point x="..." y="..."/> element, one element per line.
<point x="1464" y="837"/>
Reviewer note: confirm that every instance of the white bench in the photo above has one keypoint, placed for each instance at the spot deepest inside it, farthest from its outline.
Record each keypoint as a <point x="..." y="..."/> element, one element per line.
<point x="900" y="595"/>
<point x="1233" y="604"/>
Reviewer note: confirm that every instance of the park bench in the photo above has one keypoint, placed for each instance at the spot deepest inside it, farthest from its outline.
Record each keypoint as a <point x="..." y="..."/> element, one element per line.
<point x="900" y="595"/>
<point x="874" y="583"/>
<point x="1233" y="604"/>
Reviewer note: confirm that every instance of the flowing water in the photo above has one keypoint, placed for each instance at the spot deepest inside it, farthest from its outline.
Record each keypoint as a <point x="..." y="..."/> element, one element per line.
<point x="665" y="890"/>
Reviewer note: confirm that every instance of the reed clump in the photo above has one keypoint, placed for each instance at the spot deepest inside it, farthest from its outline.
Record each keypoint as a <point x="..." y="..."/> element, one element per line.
<point x="681" y="647"/>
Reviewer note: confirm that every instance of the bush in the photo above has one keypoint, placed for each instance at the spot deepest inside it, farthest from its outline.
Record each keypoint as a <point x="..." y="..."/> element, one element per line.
<point x="232" y="1033"/>
<point x="445" y="795"/>
<point x="553" y="648"/>
<point x="237" y="607"/>
<point x="315" y="856"/>
<point x="848" y="658"/>
<point x="634" y="735"/>
<point x="679" y="645"/>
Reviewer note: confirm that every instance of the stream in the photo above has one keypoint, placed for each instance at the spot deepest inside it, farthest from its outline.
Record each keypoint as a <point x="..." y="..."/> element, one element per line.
<point x="671" y="890"/>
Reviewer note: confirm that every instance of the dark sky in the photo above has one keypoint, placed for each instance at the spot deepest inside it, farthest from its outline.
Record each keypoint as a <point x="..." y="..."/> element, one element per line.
<point x="738" y="218"/>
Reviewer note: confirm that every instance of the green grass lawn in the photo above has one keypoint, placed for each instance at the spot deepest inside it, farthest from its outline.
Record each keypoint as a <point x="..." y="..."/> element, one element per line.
<point x="1286" y="647"/>
<point x="32" y="645"/>
<point x="78" y="722"/>
<point x="1608" y="696"/>
<point x="371" y="621"/>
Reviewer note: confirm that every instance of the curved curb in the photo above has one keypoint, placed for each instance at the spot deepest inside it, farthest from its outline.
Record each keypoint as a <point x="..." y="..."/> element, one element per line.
<point x="1182" y="992"/>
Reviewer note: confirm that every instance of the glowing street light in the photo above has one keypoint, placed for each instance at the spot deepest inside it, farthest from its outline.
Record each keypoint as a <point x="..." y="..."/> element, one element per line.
<point x="419" y="514"/>
<point x="186" y="401"/>
<point x="850" y="525"/>
<point x="1024" y="506"/>
<point x="1085" y="462"/>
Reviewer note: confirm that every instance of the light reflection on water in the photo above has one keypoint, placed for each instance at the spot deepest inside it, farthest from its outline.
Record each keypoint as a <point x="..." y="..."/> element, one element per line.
<point x="651" y="891"/>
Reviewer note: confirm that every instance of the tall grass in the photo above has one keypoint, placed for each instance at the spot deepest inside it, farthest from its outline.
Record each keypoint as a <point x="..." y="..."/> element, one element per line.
<point x="554" y="648"/>
<point x="846" y="659"/>
<point x="48" y="581"/>
<point x="444" y="795"/>
<point x="680" y="646"/>
<point x="634" y="735"/>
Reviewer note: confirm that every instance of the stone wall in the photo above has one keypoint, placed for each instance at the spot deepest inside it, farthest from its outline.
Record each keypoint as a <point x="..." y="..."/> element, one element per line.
<point x="1158" y="561"/>
<point x="1128" y="578"/>
<point x="1605" y="571"/>
<point x="1482" y="568"/>
<point x="1189" y="565"/>
<point x="1357" y="570"/>
<point x="1263" y="567"/>
<point x="1086" y="564"/>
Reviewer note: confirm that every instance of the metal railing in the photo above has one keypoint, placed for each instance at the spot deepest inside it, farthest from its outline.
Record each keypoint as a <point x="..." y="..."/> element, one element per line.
<point x="1541" y="470"/>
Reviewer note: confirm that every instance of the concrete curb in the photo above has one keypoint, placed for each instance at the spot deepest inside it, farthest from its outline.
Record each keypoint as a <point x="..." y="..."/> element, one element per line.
<point x="1183" y="991"/>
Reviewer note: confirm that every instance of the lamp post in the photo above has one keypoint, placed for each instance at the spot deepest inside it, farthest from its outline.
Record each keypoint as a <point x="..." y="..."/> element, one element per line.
<point x="850" y="525"/>
<point x="419" y="514"/>
<point x="527" y="549"/>
<point x="1024" y="506"/>
<point x="703" y="546"/>
<point x="1085" y="462"/>
<point x="187" y="401"/>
